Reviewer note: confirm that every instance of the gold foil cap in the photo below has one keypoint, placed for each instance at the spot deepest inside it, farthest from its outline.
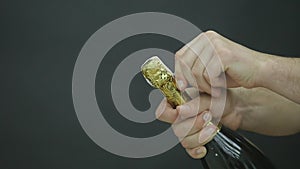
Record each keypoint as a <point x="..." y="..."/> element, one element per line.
<point x="159" y="76"/>
<point x="156" y="72"/>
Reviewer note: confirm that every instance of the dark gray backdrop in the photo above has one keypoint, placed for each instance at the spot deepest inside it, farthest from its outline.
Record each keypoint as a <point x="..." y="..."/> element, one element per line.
<point x="40" y="41"/>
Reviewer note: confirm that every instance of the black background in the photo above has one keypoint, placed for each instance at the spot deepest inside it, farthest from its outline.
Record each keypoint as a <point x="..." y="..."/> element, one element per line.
<point x="40" y="41"/>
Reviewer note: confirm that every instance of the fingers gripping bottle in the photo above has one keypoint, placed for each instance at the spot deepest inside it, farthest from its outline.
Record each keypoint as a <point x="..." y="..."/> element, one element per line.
<point x="228" y="149"/>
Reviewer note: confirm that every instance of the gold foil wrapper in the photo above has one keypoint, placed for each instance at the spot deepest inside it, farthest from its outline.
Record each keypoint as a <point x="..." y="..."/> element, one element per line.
<point x="159" y="76"/>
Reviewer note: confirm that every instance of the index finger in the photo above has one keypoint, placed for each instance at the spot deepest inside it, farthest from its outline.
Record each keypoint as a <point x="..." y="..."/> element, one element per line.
<point x="165" y="112"/>
<point x="185" y="59"/>
<point x="187" y="56"/>
<point x="194" y="106"/>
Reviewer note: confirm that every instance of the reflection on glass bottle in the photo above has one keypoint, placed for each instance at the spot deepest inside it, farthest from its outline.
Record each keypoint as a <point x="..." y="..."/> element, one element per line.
<point x="228" y="149"/>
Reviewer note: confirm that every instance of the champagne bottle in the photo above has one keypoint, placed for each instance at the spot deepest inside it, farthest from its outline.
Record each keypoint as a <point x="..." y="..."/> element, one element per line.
<point x="228" y="149"/>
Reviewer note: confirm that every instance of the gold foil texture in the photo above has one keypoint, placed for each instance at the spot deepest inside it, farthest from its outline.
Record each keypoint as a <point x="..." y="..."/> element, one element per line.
<point x="159" y="76"/>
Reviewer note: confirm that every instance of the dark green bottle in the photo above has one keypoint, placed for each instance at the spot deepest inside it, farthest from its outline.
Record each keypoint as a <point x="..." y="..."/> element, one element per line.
<point x="229" y="150"/>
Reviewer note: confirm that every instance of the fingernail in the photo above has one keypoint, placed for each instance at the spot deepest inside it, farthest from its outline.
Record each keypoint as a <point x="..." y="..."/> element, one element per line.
<point x="180" y="84"/>
<point x="199" y="150"/>
<point x="206" y="117"/>
<point x="160" y="109"/>
<point x="206" y="133"/>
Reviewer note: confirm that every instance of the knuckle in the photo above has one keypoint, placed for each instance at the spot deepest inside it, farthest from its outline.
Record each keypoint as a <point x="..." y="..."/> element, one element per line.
<point x="215" y="39"/>
<point x="177" y="131"/>
<point x="178" y="54"/>
<point x="217" y="43"/>
<point x="195" y="72"/>
<point x="158" y="116"/>
<point x="183" y="115"/>
<point x="199" y="79"/>
<point x="211" y="34"/>
<point x="222" y="51"/>
<point x="185" y="143"/>
<point x="201" y="34"/>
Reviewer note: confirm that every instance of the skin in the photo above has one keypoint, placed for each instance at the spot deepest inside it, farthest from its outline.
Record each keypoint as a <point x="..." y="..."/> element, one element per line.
<point x="263" y="91"/>
<point x="257" y="110"/>
<point x="285" y="76"/>
<point x="212" y="57"/>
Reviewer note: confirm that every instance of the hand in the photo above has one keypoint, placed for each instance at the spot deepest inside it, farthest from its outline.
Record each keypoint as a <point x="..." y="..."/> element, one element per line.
<point x="190" y="123"/>
<point x="209" y="56"/>
<point x="188" y="129"/>
<point x="258" y="110"/>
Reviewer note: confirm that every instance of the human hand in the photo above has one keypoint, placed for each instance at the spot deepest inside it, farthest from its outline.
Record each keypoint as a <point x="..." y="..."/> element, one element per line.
<point x="258" y="110"/>
<point x="212" y="57"/>
<point x="190" y="123"/>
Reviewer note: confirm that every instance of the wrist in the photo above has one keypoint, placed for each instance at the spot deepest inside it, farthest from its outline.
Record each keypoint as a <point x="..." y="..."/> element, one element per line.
<point x="266" y="66"/>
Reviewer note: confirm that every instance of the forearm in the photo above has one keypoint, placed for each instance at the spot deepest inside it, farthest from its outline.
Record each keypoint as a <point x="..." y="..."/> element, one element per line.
<point x="281" y="75"/>
<point x="266" y="112"/>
